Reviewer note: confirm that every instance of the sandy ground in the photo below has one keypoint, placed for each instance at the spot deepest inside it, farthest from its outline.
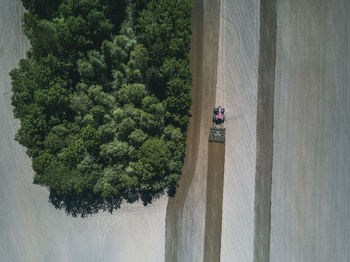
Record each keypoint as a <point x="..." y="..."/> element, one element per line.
<point x="186" y="212"/>
<point x="30" y="228"/>
<point x="237" y="90"/>
<point x="311" y="163"/>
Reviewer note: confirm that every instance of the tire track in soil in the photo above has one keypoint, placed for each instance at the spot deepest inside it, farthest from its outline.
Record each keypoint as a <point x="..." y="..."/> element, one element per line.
<point x="215" y="187"/>
<point x="264" y="136"/>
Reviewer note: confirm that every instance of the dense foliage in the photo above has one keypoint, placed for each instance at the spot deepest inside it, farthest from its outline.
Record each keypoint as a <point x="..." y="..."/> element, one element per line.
<point x="103" y="99"/>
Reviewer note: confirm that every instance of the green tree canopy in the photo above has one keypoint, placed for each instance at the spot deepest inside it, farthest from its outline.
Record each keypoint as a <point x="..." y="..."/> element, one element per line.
<point x="103" y="99"/>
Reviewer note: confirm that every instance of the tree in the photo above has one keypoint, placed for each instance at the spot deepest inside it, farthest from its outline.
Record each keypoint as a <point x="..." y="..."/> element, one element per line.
<point x="137" y="137"/>
<point x="133" y="93"/>
<point x="43" y="8"/>
<point x="103" y="99"/>
<point x="152" y="158"/>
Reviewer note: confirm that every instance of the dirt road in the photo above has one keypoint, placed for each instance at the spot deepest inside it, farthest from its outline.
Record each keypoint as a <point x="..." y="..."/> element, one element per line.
<point x="30" y="228"/>
<point x="186" y="212"/>
<point x="311" y="163"/>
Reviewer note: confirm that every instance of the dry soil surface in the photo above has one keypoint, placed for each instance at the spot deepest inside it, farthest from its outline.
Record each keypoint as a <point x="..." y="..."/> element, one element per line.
<point x="288" y="109"/>
<point x="213" y="216"/>
<point x="186" y="212"/>
<point x="310" y="142"/>
<point x="237" y="91"/>
<point x="30" y="228"/>
<point x="264" y="130"/>
<point x="311" y="164"/>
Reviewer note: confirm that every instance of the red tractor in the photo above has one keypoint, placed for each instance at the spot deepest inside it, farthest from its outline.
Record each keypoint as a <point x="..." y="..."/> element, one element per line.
<point x="218" y="116"/>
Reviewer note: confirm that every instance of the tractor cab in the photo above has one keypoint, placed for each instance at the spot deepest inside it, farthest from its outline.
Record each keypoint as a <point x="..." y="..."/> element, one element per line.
<point x="218" y="116"/>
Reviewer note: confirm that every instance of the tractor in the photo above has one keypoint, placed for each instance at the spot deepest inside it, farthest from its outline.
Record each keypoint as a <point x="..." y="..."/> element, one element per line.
<point x="218" y="116"/>
<point x="217" y="133"/>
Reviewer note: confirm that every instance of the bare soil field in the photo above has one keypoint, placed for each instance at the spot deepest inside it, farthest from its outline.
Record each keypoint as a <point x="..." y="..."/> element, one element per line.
<point x="299" y="93"/>
<point x="237" y="91"/>
<point x="186" y="212"/>
<point x="278" y="190"/>
<point x="311" y="155"/>
<point x="31" y="229"/>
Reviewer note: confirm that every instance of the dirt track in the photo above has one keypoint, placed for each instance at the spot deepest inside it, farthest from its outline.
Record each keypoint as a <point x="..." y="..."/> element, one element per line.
<point x="186" y="212"/>
<point x="264" y="134"/>
<point x="30" y="228"/>
<point x="213" y="217"/>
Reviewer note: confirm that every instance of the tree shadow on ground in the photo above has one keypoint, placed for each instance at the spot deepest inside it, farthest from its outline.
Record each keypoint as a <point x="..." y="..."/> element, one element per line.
<point x="84" y="204"/>
<point x="89" y="203"/>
